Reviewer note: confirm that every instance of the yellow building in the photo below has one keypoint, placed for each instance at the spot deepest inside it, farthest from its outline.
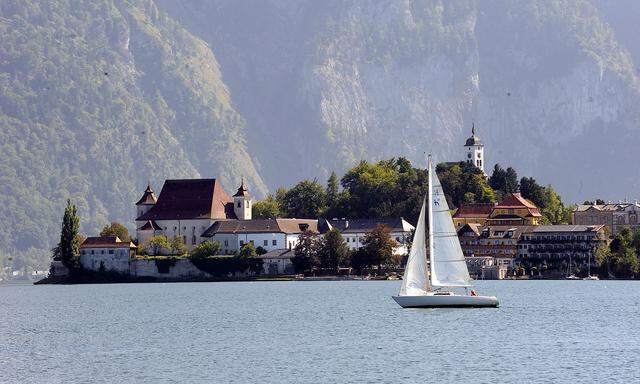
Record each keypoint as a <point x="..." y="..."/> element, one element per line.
<point x="515" y="210"/>
<point x="472" y="214"/>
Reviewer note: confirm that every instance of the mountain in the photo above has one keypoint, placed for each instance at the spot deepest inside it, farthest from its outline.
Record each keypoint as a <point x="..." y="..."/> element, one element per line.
<point x="550" y="85"/>
<point x="98" y="97"/>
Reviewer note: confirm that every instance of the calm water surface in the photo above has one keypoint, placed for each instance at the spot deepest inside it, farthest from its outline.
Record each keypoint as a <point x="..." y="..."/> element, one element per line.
<point x="334" y="332"/>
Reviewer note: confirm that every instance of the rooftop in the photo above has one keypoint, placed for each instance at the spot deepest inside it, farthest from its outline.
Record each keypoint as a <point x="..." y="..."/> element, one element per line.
<point x="565" y="228"/>
<point x="148" y="197"/>
<point x="191" y="199"/>
<point x="366" y="225"/>
<point x="106" y="242"/>
<point x="479" y="210"/>
<point x="278" y="254"/>
<point x="288" y="226"/>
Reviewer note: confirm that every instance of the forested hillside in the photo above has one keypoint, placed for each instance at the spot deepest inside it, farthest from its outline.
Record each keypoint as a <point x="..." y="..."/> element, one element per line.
<point x="99" y="96"/>
<point x="96" y="98"/>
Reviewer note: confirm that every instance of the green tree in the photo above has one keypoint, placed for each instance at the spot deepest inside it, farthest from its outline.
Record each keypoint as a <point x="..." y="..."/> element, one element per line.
<point x="624" y="256"/>
<point x="602" y="256"/>
<point x="388" y="188"/>
<point x="116" y="229"/>
<point x="248" y="251"/>
<point x="531" y="190"/>
<point x="333" y="251"/>
<point x="459" y="179"/>
<point x="553" y="209"/>
<point x="205" y="249"/>
<point x="177" y="246"/>
<point x="332" y="190"/>
<point x="260" y="250"/>
<point x="305" y="200"/>
<point x="157" y="245"/>
<point x="378" y="245"/>
<point x="306" y="253"/>
<point x="68" y="249"/>
<point x="502" y="180"/>
<point x="268" y="208"/>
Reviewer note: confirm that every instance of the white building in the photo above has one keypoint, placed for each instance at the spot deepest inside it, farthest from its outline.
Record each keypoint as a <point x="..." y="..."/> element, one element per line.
<point x="270" y="234"/>
<point x="107" y="253"/>
<point x="474" y="150"/>
<point x="353" y="231"/>
<point x="186" y="208"/>
<point x="278" y="262"/>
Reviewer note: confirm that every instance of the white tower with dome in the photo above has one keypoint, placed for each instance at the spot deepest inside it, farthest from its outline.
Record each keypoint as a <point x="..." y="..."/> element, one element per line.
<point x="474" y="150"/>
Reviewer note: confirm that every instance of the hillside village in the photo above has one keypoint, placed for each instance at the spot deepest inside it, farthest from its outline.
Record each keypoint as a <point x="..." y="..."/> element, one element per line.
<point x="500" y="240"/>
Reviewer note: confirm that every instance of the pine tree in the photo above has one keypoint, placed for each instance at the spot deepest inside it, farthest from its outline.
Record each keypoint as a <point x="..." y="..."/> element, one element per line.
<point x="332" y="190"/>
<point x="69" y="247"/>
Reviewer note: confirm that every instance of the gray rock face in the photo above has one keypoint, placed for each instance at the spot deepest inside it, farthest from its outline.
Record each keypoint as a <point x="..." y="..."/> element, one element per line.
<point x="325" y="84"/>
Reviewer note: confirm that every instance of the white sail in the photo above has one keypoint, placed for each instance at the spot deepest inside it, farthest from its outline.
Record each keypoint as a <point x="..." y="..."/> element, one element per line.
<point x="415" y="281"/>
<point x="448" y="267"/>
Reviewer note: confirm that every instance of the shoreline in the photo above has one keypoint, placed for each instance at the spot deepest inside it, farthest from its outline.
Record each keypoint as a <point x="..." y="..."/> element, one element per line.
<point x="54" y="280"/>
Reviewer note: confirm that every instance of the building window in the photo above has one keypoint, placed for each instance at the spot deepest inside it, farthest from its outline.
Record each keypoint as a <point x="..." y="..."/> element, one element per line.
<point x="226" y="243"/>
<point x="265" y="243"/>
<point x="184" y="239"/>
<point x="239" y="204"/>
<point x="241" y="243"/>
<point x="193" y="239"/>
<point x="468" y="155"/>
<point x="274" y="242"/>
<point x="111" y="251"/>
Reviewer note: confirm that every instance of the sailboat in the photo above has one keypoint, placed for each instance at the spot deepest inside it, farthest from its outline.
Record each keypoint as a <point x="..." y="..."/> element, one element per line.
<point x="570" y="275"/>
<point x="589" y="276"/>
<point x="428" y="286"/>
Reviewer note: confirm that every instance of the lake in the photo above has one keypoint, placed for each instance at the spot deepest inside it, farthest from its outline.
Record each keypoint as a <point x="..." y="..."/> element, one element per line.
<point x="317" y="332"/>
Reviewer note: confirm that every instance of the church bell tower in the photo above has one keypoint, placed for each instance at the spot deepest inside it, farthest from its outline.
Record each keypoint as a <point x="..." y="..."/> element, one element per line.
<point x="242" y="203"/>
<point x="474" y="150"/>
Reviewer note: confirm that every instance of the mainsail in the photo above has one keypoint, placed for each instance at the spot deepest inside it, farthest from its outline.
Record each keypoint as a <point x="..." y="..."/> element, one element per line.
<point x="414" y="281"/>
<point x="448" y="267"/>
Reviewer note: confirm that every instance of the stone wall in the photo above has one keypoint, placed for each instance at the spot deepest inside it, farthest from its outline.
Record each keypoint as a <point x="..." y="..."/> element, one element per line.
<point x="163" y="269"/>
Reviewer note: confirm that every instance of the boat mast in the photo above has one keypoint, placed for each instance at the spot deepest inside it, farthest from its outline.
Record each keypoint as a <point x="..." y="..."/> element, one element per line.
<point x="430" y="221"/>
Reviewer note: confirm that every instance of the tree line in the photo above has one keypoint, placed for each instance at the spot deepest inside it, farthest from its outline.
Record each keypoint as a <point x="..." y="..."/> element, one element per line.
<point x="621" y="257"/>
<point x="394" y="188"/>
<point x="327" y="254"/>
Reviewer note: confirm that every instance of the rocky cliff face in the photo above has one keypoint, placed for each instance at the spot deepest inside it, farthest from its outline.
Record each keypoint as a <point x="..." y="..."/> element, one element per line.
<point x="95" y="98"/>
<point x="548" y="84"/>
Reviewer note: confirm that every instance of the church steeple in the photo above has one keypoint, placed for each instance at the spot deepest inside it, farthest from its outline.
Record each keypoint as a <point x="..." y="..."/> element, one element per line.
<point x="242" y="202"/>
<point x="474" y="149"/>
<point x="147" y="201"/>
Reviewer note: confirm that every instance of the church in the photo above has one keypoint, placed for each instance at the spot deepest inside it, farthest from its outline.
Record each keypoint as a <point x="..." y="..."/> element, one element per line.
<point x="186" y="208"/>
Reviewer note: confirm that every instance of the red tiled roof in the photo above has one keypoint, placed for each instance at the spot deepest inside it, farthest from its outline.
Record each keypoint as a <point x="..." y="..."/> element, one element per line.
<point x="191" y="199"/>
<point x="106" y="242"/>
<point x="474" y="210"/>
<point x="515" y="200"/>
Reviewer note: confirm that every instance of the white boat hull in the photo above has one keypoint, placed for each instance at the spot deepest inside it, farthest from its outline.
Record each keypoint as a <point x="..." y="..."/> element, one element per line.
<point x="439" y="301"/>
